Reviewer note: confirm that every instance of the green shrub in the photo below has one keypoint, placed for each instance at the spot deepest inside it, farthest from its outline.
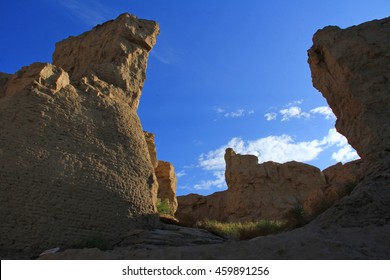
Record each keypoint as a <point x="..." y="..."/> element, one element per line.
<point x="243" y="230"/>
<point x="163" y="207"/>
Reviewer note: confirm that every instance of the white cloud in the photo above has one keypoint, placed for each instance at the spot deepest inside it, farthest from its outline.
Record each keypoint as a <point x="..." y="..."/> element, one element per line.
<point x="280" y="149"/>
<point x="218" y="182"/>
<point x="294" y="102"/>
<point x="345" y="153"/>
<point x="238" y="113"/>
<point x="233" y="114"/>
<point x="181" y="174"/>
<point x="334" y="138"/>
<point x="272" y="148"/>
<point x="325" y="111"/>
<point x="270" y="116"/>
<point x="293" y="112"/>
<point x="219" y="110"/>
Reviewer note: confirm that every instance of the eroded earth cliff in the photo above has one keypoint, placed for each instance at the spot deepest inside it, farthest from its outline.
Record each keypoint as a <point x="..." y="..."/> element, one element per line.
<point x="269" y="190"/>
<point x="74" y="161"/>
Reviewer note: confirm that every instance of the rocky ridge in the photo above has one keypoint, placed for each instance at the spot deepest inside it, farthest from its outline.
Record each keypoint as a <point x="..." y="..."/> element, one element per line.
<point x="269" y="190"/>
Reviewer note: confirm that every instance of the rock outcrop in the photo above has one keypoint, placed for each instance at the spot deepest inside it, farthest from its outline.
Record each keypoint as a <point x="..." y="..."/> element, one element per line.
<point x="149" y="137"/>
<point x="269" y="190"/>
<point x="351" y="69"/>
<point x="260" y="191"/>
<point x="164" y="189"/>
<point x="166" y="178"/>
<point x="111" y="58"/>
<point x="73" y="157"/>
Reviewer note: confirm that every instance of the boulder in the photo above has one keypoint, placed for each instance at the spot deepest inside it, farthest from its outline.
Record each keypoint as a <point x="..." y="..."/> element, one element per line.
<point x="73" y="157"/>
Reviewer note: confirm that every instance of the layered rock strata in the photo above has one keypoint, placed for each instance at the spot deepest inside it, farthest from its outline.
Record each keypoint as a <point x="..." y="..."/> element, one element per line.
<point x="73" y="157"/>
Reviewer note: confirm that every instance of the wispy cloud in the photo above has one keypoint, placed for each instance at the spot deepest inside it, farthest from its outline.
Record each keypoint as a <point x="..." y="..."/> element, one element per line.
<point x="294" y="102"/>
<point x="270" y="116"/>
<point x="165" y="54"/>
<point x="180" y="174"/>
<point x="162" y="59"/>
<point x="89" y="12"/>
<point x="219" y="110"/>
<point x="197" y="142"/>
<point x="280" y="149"/>
<point x="238" y="113"/>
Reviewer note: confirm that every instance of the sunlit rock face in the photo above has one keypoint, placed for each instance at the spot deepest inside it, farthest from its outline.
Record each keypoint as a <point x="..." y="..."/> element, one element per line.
<point x="256" y="191"/>
<point x="165" y="182"/>
<point x="351" y="68"/>
<point x="74" y="162"/>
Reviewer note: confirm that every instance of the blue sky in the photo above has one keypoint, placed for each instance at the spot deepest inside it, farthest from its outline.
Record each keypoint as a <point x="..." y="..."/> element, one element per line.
<point x="223" y="73"/>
